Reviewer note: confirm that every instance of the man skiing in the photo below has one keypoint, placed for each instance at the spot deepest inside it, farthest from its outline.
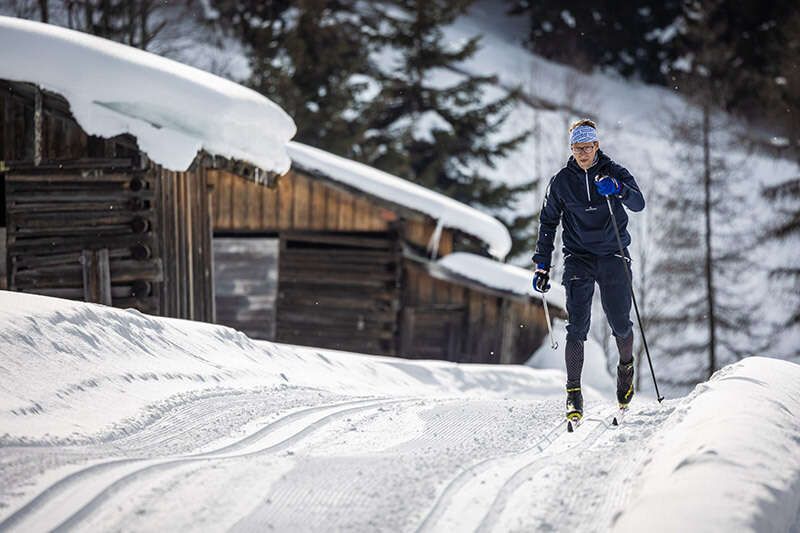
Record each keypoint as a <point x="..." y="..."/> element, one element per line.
<point x="576" y="197"/>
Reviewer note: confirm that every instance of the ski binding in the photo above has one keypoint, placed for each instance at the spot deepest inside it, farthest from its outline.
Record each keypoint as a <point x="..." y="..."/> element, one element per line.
<point x="623" y="410"/>
<point x="573" y="421"/>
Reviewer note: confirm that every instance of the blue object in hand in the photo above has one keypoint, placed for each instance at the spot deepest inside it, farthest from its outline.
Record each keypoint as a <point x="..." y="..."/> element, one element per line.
<point x="541" y="278"/>
<point x="607" y="186"/>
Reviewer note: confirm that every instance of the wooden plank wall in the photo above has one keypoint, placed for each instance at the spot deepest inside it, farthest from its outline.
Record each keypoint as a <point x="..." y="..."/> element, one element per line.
<point x="297" y="203"/>
<point x="184" y="241"/>
<point x="54" y="215"/>
<point x="302" y="202"/>
<point x="339" y="291"/>
<point x="443" y="319"/>
<point x="435" y="316"/>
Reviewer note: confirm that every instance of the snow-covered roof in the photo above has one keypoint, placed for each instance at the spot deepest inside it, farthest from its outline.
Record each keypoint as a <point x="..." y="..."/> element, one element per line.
<point x="174" y="110"/>
<point x="447" y="211"/>
<point x="501" y="276"/>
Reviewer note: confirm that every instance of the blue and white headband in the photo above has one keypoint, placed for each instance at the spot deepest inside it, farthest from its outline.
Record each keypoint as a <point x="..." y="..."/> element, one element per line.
<point x="583" y="134"/>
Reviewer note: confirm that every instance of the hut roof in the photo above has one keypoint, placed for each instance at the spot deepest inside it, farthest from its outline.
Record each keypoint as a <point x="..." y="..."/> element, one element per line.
<point x="173" y="110"/>
<point x="500" y="276"/>
<point x="447" y="211"/>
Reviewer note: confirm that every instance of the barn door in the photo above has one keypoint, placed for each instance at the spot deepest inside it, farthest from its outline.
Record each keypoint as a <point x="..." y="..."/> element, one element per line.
<point x="433" y="331"/>
<point x="83" y="233"/>
<point x="246" y="284"/>
<point x="339" y="290"/>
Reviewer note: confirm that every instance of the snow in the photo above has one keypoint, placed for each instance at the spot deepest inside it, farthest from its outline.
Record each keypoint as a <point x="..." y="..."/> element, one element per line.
<point x="446" y="211"/>
<point x="116" y="420"/>
<point x="733" y="457"/>
<point x="173" y="110"/>
<point x="502" y="276"/>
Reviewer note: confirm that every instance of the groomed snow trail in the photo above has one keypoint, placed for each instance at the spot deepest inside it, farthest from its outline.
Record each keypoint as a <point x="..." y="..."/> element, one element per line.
<point x="114" y="421"/>
<point x="368" y="464"/>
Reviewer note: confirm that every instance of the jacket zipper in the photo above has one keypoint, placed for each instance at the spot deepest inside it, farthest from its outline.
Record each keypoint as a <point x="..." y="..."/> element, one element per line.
<point x="588" y="196"/>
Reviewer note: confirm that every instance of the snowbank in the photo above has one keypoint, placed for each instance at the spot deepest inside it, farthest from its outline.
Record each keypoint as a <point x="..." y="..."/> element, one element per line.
<point x="595" y="373"/>
<point x="402" y="192"/>
<point x="731" y="462"/>
<point x="71" y="370"/>
<point x="174" y="110"/>
<point x="502" y="276"/>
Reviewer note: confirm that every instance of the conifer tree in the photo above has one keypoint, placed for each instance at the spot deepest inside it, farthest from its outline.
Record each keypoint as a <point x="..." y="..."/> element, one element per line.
<point x="707" y="315"/>
<point x="785" y="197"/>
<point x="311" y="57"/>
<point x="431" y="123"/>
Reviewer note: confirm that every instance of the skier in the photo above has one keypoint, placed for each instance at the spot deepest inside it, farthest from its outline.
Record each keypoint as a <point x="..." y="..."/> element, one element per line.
<point x="576" y="196"/>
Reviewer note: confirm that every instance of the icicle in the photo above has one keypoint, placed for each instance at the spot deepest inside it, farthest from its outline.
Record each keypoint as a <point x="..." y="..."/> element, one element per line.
<point x="433" y="244"/>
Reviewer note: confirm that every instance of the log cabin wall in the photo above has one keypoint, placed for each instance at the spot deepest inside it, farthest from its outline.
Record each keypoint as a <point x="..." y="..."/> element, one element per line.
<point x="88" y="218"/>
<point x="466" y="323"/>
<point x="339" y="290"/>
<point x="435" y="317"/>
<point x="305" y="202"/>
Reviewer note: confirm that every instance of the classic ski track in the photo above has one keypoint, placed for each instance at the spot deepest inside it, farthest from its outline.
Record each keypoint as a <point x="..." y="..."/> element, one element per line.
<point x="556" y="434"/>
<point x="90" y="473"/>
<point x="455" y="485"/>
<point x="513" y="482"/>
<point x="346" y="492"/>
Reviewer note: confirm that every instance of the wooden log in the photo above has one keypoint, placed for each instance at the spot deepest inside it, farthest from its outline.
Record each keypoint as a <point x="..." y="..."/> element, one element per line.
<point x="73" y="243"/>
<point x="77" y="219"/>
<point x="377" y="241"/>
<point x="43" y="208"/>
<point x="294" y="290"/>
<point x="46" y="174"/>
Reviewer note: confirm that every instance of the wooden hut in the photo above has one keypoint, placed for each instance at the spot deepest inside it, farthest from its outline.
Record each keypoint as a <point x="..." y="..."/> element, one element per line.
<point x="94" y="217"/>
<point x="338" y="255"/>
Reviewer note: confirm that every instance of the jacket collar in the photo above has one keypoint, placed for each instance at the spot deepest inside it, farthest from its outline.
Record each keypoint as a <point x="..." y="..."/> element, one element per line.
<point x="600" y="160"/>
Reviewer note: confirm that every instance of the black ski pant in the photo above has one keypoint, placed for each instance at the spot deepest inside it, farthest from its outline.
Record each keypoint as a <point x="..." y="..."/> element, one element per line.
<point x="581" y="272"/>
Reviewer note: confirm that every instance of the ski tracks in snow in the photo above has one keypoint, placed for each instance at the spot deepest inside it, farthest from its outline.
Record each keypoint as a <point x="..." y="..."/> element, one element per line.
<point x="375" y="464"/>
<point x="63" y="504"/>
<point x="471" y="501"/>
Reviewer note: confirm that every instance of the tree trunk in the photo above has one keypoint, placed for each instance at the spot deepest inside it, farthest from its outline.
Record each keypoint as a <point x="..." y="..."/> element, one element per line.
<point x="44" y="11"/>
<point x="712" y="341"/>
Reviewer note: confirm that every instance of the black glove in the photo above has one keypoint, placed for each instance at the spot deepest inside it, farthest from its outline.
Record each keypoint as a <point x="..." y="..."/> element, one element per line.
<point x="541" y="278"/>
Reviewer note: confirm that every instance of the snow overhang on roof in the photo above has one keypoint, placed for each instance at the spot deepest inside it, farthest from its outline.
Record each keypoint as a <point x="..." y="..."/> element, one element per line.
<point x="172" y="109"/>
<point x="500" y="276"/>
<point x="447" y="211"/>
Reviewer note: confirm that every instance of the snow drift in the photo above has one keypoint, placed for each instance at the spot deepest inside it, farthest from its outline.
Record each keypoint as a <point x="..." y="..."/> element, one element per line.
<point x="74" y="371"/>
<point x="731" y="461"/>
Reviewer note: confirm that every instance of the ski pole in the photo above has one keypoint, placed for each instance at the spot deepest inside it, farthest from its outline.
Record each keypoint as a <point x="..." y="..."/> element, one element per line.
<point x="633" y="296"/>
<point x="553" y="343"/>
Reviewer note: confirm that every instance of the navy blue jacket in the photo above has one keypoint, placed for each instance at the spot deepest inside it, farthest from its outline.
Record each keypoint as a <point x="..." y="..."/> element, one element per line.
<point x="572" y="197"/>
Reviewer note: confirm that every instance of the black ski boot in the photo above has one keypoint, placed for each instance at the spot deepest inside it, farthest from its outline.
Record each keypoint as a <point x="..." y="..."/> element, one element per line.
<point x="574" y="403"/>
<point x="624" y="384"/>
